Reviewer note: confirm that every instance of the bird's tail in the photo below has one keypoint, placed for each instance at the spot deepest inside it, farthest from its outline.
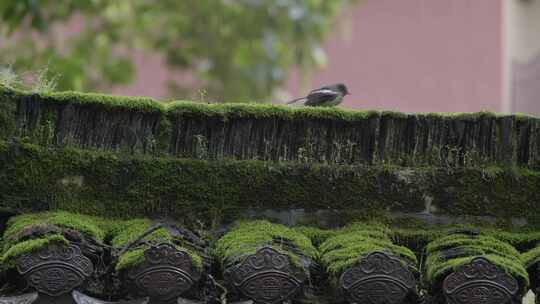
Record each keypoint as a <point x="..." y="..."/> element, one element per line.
<point x="297" y="100"/>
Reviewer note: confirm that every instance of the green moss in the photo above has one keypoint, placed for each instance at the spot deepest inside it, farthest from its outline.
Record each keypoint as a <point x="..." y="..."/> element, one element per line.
<point x="345" y="239"/>
<point x="111" y="102"/>
<point x="316" y="235"/>
<point x="85" y="224"/>
<point x="522" y="239"/>
<point x="127" y="231"/>
<point x="519" y="239"/>
<point x="258" y="110"/>
<point x="349" y="245"/>
<point x="385" y="137"/>
<point x="130" y="259"/>
<point x="119" y="232"/>
<point x="530" y="257"/>
<point x="458" y="240"/>
<point x="438" y="267"/>
<point x="464" y="249"/>
<point x="7" y="110"/>
<point x="3" y="146"/>
<point x="135" y="257"/>
<point x="187" y="188"/>
<point x="247" y="237"/>
<point x="235" y="109"/>
<point x="124" y="232"/>
<point x="10" y="256"/>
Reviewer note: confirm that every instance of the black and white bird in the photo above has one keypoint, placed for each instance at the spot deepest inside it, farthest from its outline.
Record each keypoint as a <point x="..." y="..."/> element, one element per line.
<point x="327" y="96"/>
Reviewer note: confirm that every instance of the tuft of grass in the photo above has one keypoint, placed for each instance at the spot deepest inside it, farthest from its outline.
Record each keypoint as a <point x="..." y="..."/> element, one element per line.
<point x="9" y="79"/>
<point x="44" y="83"/>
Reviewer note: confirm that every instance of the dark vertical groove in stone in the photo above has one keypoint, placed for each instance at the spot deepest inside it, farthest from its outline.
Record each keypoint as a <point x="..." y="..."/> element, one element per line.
<point x="402" y="140"/>
<point x="87" y="126"/>
<point x="28" y="114"/>
<point x="523" y="143"/>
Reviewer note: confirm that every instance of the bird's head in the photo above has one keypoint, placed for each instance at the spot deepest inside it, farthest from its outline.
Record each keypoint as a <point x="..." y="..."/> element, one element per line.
<point x="342" y="88"/>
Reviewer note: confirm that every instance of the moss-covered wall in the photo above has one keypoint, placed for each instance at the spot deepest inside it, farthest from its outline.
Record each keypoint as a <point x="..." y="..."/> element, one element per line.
<point x="34" y="177"/>
<point x="122" y="156"/>
<point x="269" y="132"/>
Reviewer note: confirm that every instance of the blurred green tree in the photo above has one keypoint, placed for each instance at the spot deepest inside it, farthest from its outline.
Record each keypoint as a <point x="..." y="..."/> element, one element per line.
<point x="236" y="49"/>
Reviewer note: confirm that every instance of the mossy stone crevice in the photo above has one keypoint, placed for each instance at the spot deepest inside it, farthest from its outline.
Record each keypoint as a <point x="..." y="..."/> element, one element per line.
<point x="7" y="112"/>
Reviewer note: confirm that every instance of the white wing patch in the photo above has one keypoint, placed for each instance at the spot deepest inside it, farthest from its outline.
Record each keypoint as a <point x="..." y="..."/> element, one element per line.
<point x="323" y="91"/>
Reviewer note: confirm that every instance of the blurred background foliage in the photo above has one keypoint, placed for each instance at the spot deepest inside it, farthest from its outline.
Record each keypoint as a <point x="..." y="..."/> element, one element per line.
<point x="235" y="49"/>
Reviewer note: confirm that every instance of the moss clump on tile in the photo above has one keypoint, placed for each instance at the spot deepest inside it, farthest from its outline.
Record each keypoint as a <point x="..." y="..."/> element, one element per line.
<point x="10" y="256"/>
<point x="125" y="232"/>
<point x="30" y="232"/>
<point x="531" y="256"/>
<point x="520" y="238"/>
<point x="447" y="253"/>
<point x="247" y="237"/>
<point x="348" y="246"/>
<point x="316" y="235"/>
<point x="87" y="225"/>
<point x="130" y="259"/>
<point x="442" y="267"/>
<point x="483" y="242"/>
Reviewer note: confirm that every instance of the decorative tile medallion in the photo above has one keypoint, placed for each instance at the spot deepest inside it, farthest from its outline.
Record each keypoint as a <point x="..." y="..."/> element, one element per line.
<point x="55" y="270"/>
<point x="479" y="282"/>
<point x="166" y="273"/>
<point x="378" y="279"/>
<point x="266" y="277"/>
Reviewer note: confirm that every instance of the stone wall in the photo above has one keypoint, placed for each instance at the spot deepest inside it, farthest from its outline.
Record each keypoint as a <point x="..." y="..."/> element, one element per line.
<point x="277" y="133"/>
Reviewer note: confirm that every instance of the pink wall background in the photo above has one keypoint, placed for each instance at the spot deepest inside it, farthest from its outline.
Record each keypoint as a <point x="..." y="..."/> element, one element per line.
<point x="413" y="56"/>
<point x="525" y="88"/>
<point x="418" y="56"/>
